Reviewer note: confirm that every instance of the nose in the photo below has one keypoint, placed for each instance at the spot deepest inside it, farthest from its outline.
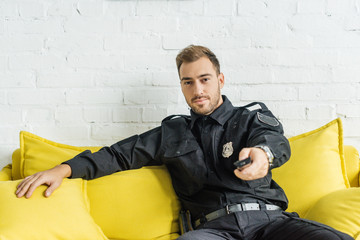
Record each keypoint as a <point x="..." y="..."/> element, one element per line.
<point x="198" y="88"/>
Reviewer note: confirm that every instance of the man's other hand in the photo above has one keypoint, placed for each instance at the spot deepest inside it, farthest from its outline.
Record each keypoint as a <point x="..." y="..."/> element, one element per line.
<point x="257" y="169"/>
<point x="52" y="177"/>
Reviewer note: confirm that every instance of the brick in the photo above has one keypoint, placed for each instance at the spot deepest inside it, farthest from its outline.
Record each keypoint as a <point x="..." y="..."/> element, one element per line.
<point x="65" y="80"/>
<point x="65" y="134"/>
<point x="226" y="42"/>
<point x="132" y="42"/>
<point x="6" y="154"/>
<point x="36" y="26"/>
<point x="240" y="58"/>
<point x="34" y="10"/>
<point x="352" y="23"/>
<point x="39" y="115"/>
<point x="2" y="25"/>
<point x="252" y="7"/>
<point x="268" y="92"/>
<point x="314" y="24"/>
<point x="154" y="114"/>
<point x="350" y="126"/>
<point x="69" y="115"/>
<point x="333" y="92"/>
<point x="152" y="8"/>
<point x="248" y="75"/>
<point x="84" y="25"/>
<point x="126" y="114"/>
<point x="117" y="132"/>
<point x="346" y="74"/>
<point x="348" y="110"/>
<point x="341" y="7"/>
<point x="35" y="97"/>
<point x="11" y="116"/>
<point x="215" y="26"/>
<point x="58" y="8"/>
<point x="3" y="63"/>
<point x="220" y="8"/>
<point x="79" y="44"/>
<point x="346" y="39"/>
<point x="164" y="79"/>
<point x="311" y="7"/>
<point x="320" y="112"/>
<point x="37" y="62"/>
<point x="152" y="62"/>
<point x="90" y="8"/>
<point x="95" y="62"/>
<point x="177" y="41"/>
<point x="9" y="134"/>
<point x="124" y="79"/>
<point x="149" y="24"/>
<point x="348" y="57"/>
<point x="119" y="8"/>
<point x="151" y="96"/>
<point x="16" y="44"/>
<point x="187" y="8"/>
<point x="3" y="97"/>
<point x="306" y="58"/>
<point x="94" y="96"/>
<point x="302" y="75"/>
<point x="281" y="8"/>
<point x="97" y="114"/>
<point x="294" y="111"/>
<point x="10" y="9"/>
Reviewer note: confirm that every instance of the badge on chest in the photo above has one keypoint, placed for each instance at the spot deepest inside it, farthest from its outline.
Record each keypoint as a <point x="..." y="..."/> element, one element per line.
<point x="228" y="150"/>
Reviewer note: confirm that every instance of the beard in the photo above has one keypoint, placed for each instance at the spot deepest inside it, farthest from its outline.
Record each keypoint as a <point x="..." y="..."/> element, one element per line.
<point x="212" y="103"/>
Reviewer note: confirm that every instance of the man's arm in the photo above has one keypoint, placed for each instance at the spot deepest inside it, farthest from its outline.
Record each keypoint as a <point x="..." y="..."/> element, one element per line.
<point x="264" y="130"/>
<point x="131" y="153"/>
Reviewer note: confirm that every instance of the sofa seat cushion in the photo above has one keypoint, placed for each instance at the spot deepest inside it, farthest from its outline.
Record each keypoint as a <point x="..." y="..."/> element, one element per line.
<point x="135" y="204"/>
<point x="315" y="169"/>
<point x="63" y="216"/>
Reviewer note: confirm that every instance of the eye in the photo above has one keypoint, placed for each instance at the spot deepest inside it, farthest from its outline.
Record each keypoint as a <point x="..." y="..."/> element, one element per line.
<point x="186" y="83"/>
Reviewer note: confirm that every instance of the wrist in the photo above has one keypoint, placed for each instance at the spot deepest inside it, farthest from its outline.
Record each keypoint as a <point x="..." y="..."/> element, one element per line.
<point x="269" y="154"/>
<point x="65" y="170"/>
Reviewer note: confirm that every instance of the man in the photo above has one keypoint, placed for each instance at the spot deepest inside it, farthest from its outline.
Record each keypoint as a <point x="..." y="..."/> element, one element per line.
<point x="199" y="151"/>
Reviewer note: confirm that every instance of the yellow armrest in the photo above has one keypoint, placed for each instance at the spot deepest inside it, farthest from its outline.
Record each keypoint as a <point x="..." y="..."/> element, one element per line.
<point x="352" y="163"/>
<point x="5" y="173"/>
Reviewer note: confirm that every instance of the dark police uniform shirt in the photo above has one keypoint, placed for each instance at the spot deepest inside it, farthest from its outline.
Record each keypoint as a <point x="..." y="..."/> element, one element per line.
<point x="199" y="152"/>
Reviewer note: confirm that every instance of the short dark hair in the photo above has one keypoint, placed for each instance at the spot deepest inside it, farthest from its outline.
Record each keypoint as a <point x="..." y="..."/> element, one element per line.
<point x="192" y="53"/>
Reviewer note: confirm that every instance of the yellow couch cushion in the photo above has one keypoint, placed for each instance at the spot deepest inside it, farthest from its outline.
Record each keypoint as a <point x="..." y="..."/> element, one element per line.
<point x="340" y="210"/>
<point x="316" y="167"/>
<point x="39" y="154"/>
<point x="5" y="173"/>
<point x="63" y="216"/>
<point x="352" y="165"/>
<point x="135" y="204"/>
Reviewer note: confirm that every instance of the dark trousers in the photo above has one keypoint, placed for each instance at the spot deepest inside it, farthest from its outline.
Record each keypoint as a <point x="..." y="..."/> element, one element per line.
<point x="264" y="225"/>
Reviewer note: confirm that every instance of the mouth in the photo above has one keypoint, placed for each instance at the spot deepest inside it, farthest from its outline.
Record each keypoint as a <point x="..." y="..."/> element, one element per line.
<point x="199" y="100"/>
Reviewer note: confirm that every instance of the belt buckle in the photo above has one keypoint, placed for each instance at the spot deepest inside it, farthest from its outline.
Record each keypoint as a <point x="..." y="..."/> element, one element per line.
<point x="227" y="208"/>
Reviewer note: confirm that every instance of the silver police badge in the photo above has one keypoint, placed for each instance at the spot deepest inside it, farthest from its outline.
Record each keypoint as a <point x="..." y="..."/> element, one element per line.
<point x="227" y="150"/>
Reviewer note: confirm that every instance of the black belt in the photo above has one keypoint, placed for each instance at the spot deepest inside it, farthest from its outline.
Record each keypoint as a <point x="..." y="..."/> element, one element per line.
<point x="232" y="209"/>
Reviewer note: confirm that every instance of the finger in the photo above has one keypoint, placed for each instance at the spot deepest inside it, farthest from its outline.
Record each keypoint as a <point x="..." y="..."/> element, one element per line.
<point x="33" y="186"/>
<point x="244" y="153"/>
<point x="51" y="189"/>
<point x="23" y="182"/>
<point x="25" y="186"/>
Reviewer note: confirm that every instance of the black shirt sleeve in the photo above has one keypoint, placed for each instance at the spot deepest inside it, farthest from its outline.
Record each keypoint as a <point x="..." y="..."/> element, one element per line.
<point x="131" y="153"/>
<point x="265" y="129"/>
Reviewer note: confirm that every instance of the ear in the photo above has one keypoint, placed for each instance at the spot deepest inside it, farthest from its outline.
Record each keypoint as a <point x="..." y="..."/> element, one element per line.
<point x="221" y="79"/>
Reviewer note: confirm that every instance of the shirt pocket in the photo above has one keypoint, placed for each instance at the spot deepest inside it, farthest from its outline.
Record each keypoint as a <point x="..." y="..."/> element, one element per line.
<point x="185" y="162"/>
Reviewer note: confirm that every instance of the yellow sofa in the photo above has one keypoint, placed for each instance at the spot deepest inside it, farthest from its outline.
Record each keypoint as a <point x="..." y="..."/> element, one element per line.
<point x="321" y="181"/>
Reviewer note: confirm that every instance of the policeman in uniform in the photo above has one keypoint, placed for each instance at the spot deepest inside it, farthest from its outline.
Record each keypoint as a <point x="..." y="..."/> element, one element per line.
<point x="221" y="201"/>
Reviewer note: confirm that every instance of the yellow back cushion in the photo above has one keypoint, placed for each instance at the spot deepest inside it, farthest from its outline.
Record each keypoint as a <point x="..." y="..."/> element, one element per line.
<point x="340" y="210"/>
<point x="135" y="204"/>
<point x="63" y="216"/>
<point x="316" y="167"/>
<point x="39" y="154"/>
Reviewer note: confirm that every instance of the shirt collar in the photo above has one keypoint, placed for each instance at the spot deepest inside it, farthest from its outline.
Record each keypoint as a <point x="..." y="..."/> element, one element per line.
<point x="220" y="115"/>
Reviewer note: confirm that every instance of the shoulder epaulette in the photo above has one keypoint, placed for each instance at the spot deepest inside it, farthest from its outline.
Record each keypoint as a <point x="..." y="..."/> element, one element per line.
<point x="255" y="106"/>
<point x="172" y="117"/>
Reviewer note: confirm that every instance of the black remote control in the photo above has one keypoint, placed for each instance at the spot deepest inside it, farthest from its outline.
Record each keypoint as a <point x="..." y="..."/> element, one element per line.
<point x="242" y="163"/>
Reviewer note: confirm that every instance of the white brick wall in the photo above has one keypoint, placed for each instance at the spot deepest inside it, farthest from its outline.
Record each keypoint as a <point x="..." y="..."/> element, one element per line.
<point x="91" y="72"/>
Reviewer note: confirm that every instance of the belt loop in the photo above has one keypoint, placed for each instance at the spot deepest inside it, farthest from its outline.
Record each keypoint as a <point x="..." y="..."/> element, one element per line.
<point x="227" y="209"/>
<point x="262" y="205"/>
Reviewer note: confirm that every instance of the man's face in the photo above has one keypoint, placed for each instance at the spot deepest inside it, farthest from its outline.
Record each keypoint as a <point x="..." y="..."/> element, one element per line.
<point x="201" y="86"/>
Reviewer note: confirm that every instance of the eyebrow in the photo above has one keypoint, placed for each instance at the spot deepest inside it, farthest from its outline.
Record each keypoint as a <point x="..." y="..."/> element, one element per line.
<point x="200" y="76"/>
